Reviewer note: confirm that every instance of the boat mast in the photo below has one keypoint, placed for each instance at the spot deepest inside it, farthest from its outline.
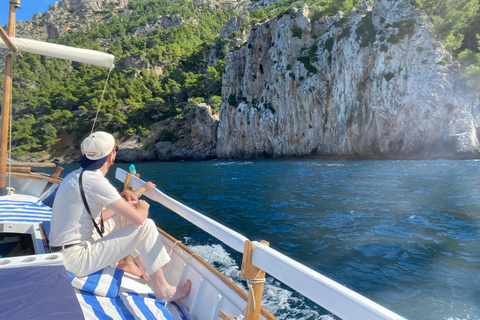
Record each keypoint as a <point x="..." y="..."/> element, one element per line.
<point x="7" y="92"/>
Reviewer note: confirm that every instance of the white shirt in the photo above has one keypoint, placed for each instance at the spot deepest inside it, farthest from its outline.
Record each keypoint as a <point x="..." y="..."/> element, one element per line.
<point x="71" y="221"/>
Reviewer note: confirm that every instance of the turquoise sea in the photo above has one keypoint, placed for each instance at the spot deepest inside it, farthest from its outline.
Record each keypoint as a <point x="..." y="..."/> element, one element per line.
<point x="405" y="234"/>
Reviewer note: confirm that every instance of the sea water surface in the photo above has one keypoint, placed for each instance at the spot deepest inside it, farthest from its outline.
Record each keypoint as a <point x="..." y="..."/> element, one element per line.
<point x="405" y="234"/>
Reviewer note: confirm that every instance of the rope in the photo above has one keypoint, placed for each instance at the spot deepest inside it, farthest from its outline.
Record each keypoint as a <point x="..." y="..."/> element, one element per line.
<point x="181" y="252"/>
<point x="101" y="99"/>
<point x="3" y="62"/>
<point x="250" y="284"/>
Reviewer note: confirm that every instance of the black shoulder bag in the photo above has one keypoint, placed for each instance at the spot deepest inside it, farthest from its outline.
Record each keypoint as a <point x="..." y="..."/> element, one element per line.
<point x="100" y="230"/>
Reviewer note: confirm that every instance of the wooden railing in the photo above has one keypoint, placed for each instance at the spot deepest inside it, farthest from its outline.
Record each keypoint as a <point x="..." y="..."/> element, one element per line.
<point x="24" y="170"/>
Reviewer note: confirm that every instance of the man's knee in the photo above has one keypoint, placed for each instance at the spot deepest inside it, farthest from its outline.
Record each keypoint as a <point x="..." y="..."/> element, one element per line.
<point x="149" y="224"/>
<point x="150" y="230"/>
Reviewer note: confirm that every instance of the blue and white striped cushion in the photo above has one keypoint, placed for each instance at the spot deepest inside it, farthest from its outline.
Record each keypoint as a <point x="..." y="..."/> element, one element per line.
<point x="24" y="211"/>
<point x="105" y="283"/>
<point x="126" y="306"/>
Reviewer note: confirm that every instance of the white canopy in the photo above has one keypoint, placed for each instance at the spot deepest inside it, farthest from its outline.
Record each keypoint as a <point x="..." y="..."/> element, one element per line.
<point x="91" y="57"/>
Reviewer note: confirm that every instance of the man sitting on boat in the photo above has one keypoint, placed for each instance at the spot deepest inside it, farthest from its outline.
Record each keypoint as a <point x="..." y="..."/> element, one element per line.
<point x="125" y="225"/>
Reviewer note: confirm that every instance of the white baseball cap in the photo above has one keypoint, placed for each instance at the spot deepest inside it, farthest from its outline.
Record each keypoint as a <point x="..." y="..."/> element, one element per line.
<point x="95" y="149"/>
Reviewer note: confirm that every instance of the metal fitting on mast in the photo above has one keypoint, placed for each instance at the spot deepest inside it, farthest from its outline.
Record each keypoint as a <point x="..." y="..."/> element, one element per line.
<point x="16" y="3"/>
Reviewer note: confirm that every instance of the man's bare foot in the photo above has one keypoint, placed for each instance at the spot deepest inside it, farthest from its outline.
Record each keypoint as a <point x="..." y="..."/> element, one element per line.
<point x="174" y="293"/>
<point x="133" y="269"/>
<point x="142" y="267"/>
<point x="129" y="266"/>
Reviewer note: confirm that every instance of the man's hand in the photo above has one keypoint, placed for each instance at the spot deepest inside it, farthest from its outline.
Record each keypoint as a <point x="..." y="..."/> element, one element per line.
<point x="145" y="187"/>
<point x="149" y="185"/>
<point x="143" y="205"/>
<point x="140" y="208"/>
<point x="133" y="203"/>
<point x="129" y="195"/>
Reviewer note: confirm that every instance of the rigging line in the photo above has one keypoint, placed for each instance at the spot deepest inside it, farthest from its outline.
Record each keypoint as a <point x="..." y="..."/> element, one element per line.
<point x="3" y="63"/>
<point x="9" y="151"/>
<point x="101" y="99"/>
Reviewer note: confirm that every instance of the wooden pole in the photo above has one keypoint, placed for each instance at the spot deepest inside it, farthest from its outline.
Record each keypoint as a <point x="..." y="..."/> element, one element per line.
<point x="7" y="93"/>
<point x="256" y="279"/>
<point x="126" y="183"/>
<point x="33" y="164"/>
<point x="55" y="175"/>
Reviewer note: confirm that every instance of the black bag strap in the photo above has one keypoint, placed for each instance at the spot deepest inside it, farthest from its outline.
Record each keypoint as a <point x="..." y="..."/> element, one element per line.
<point x="100" y="230"/>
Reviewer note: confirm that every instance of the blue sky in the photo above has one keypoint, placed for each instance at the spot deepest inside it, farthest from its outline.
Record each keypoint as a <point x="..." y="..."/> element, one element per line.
<point x="28" y="9"/>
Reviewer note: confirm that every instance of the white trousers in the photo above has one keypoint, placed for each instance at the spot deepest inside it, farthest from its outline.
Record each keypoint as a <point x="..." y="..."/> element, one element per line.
<point x="120" y="239"/>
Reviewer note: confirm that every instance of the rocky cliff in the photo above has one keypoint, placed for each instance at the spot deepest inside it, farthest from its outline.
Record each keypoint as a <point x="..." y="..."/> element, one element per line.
<point x="375" y="84"/>
<point x="195" y="138"/>
<point x="66" y="16"/>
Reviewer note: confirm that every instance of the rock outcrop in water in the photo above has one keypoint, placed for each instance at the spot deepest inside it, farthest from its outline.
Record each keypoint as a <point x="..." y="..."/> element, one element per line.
<point x="375" y="84"/>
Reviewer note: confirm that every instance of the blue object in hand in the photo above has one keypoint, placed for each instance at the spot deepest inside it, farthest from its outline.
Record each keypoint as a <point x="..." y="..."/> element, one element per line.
<point x="132" y="170"/>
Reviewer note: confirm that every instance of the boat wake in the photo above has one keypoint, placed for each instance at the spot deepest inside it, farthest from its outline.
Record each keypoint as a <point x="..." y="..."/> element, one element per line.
<point x="281" y="302"/>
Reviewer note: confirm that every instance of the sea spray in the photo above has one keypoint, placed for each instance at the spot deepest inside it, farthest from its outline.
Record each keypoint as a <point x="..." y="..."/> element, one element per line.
<point x="282" y="303"/>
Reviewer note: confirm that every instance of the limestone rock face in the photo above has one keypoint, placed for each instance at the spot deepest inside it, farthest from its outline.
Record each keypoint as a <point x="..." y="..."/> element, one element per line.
<point x="197" y="136"/>
<point x="232" y="25"/>
<point x="94" y="5"/>
<point x="259" y="4"/>
<point x="201" y="130"/>
<point x="132" y="155"/>
<point x="375" y="84"/>
<point x="164" y="23"/>
<point x="66" y="16"/>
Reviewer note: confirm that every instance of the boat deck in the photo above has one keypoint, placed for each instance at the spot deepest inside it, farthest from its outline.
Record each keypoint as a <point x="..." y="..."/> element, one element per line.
<point x="211" y="291"/>
<point x="43" y="276"/>
<point x="37" y="292"/>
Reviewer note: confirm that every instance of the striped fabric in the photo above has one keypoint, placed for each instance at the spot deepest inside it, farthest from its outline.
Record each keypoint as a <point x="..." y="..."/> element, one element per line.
<point x="24" y="211"/>
<point x="105" y="283"/>
<point x="128" y="306"/>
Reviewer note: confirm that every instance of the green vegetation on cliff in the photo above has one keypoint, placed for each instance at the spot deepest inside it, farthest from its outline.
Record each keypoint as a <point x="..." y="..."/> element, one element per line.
<point x="457" y="25"/>
<point x="180" y="56"/>
<point x="51" y="96"/>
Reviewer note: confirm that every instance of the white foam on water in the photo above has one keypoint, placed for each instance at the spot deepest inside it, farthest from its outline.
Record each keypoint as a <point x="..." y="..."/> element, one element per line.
<point x="282" y="303"/>
<point x="221" y="260"/>
<point x="233" y="163"/>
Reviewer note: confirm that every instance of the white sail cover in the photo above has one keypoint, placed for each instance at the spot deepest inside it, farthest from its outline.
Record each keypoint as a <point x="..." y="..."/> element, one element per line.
<point x="91" y="57"/>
